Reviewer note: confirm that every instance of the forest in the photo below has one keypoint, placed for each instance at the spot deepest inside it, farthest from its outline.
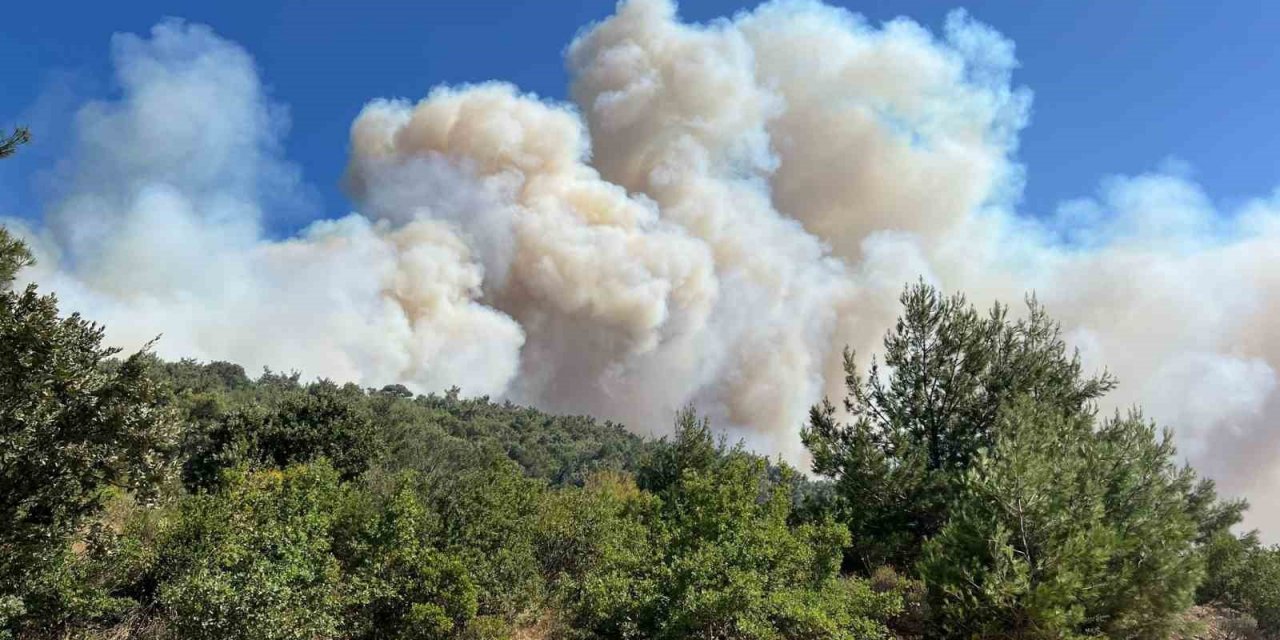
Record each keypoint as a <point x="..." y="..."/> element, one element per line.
<point x="966" y="486"/>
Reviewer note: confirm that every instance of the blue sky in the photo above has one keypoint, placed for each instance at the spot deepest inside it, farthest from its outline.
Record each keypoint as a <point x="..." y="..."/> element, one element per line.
<point x="1119" y="86"/>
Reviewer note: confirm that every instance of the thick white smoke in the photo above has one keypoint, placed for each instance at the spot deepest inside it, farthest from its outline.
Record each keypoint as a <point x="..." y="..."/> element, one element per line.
<point x="723" y="209"/>
<point x="159" y="231"/>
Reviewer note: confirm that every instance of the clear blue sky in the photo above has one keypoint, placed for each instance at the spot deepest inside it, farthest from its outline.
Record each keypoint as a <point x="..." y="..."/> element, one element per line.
<point x="1119" y="86"/>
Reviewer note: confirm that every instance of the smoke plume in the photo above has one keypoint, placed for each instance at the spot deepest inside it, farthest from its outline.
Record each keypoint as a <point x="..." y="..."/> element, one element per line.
<point x="720" y="211"/>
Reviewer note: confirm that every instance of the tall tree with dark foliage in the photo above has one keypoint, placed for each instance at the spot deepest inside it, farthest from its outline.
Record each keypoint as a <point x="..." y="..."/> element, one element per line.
<point x="74" y="428"/>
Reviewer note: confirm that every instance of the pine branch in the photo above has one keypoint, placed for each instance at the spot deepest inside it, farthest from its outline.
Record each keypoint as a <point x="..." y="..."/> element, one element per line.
<point x="9" y="145"/>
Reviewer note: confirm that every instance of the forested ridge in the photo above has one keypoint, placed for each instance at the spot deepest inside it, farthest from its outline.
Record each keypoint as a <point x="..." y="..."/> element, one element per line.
<point x="968" y="488"/>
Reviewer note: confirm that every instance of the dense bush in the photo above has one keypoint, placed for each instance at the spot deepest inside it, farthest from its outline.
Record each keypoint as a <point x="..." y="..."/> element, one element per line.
<point x="297" y="425"/>
<point x="1244" y="575"/>
<point x="253" y="559"/>
<point x="276" y="419"/>
<point x="487" y="515"/>
<point x="74" y="430"/>
<point x="710" y="555"/>
<point x="400" y="583"/>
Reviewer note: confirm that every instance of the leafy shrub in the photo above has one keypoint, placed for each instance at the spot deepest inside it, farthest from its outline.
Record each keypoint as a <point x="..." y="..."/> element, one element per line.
<point x="487" y="517"/>
<point x="321" y="420"/>
<point x="75" y="429"/>
<point x="399" y="584"/>
<point x="711" y="555"/>
<point x="1243" y="574"/>
<point x="253" y="560"/>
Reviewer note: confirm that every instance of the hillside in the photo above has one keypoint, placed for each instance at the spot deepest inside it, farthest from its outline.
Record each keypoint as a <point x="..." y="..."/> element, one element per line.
<point x="967" y="489"/>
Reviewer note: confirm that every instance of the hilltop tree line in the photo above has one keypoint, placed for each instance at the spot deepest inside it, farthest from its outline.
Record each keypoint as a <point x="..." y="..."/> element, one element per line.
<point x="966" y="488"/>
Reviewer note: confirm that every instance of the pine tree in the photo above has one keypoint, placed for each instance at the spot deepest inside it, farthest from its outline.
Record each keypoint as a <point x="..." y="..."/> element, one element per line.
<point x="9" y="145"/>
<point x="919" y="420"/>
<point x="1063" y="531"/>
<point x="1028" y="545"/>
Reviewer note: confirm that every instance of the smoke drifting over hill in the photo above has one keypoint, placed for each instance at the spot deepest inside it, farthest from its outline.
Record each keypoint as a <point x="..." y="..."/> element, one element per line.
<point x="721" y="210"/>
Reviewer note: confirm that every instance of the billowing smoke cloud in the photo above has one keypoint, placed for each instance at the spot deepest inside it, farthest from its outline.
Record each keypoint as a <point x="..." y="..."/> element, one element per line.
<point x="721" y="211"/>
<point x="159" y="231"/>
